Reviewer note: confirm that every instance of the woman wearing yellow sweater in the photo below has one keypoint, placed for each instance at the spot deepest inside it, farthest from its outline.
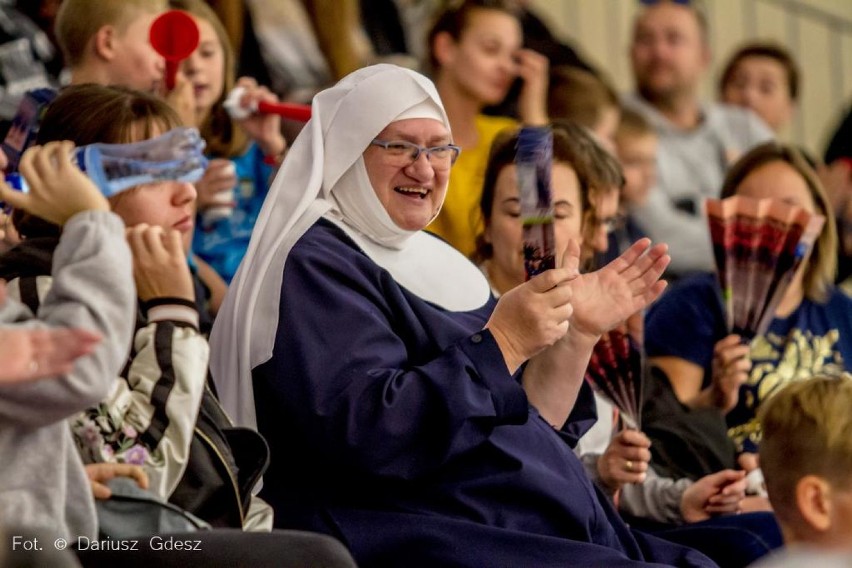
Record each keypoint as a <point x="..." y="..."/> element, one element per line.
<point x="476" y="55"/>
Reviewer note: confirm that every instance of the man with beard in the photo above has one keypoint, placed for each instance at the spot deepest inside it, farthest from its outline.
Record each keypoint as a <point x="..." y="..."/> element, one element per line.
<point x="698" y="140"/>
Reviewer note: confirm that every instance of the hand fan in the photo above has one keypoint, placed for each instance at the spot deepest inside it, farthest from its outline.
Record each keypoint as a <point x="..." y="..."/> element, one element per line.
<point x="758" y="246"/>
<point x="533" y="161"/>
<point x="615" y="371"/>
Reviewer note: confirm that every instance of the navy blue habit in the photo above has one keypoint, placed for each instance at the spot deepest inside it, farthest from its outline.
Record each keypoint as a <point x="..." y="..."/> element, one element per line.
<point x="395" y="426"/>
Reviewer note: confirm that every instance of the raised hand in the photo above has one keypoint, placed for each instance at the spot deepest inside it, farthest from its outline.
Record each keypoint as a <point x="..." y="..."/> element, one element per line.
<point x="182" y="99"/>
<point x="265" y="129"/>
<point x="715" y="494"/>
<point x="604" y="298"/>
<point x="217" y="184"/>
<point x="625" y="460"/>
<point x="160" y="267"/>
<point x="29" y="354"/>
<point x="58" y="190"/>
<point x="532" y="316"/>
<point x="730" y="368"/>
<point x="533" y="68"/>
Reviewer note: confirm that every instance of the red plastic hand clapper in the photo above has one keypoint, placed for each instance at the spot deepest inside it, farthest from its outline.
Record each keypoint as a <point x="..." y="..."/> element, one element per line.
<point x="174" y="35"/>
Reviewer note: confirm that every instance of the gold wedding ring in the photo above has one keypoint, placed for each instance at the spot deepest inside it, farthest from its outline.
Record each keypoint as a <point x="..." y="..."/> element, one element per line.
<point x="628" y="465"/>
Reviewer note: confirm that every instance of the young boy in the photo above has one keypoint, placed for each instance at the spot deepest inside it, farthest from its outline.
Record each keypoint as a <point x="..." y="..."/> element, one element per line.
<point x="763" y="77"/>
<point x="107" y="42"/>
<point x="636" y="148"/>
<point x="806" y="457"/>
<point x="578" y="95"/>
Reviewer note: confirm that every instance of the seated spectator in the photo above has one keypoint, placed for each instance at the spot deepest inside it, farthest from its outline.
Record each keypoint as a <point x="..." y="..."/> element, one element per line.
<point x="836" y="175"/>
<point x="44" y="486"/>
<point x="160" y="413"/>
<point x="245" y="152"/>
<point x="807" y="462"/>
<point x="106" y="42"/>
<point x="475" y="55"/>
<point x="582" y="97"/>
<point x="618" y="462"/>
<point x="712" y="373"/>
<point x="605" y="182"/>
<point x="636" y="149"/>
<point x="499" y="246"/>
<point x="763" y="77"/>
<point x="371" y="347"/>
<point x="540" y="38"/>
<point x="698" y="141"/>
<point x="93" y="287"/>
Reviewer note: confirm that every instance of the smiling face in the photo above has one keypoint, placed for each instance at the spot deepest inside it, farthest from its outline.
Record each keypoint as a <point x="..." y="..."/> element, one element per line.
<point x="482" y="62"/>
<point x="504" y="231"/>
<point x="205" y="68"/>
<point x="412" y="195"/>
<point x="761" y="84"/>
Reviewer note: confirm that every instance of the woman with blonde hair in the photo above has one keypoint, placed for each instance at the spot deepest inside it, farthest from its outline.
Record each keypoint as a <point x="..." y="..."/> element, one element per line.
<point x="686" y="335"/>
<point x="245" y="152"/>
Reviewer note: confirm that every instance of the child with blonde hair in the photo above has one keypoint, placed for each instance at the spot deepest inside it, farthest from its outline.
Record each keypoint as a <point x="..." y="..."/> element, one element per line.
<point x="806" y="457"/>
<point x="107" y="42"/>
<point x="245" y="153"/>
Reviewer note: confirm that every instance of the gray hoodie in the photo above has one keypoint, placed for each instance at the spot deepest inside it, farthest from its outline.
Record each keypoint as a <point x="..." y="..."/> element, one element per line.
<point x="42" y="480"/>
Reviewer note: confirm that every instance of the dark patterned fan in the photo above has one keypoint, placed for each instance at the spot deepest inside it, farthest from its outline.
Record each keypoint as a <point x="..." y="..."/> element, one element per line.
<point x="533" y="161"/>
<point x="615" y="371"/>
<point x="758" y="246"/>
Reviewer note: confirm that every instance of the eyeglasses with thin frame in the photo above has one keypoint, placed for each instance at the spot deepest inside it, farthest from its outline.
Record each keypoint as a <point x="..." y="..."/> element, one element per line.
<point x="609" y="224"/>
<point x="402" y="153"/>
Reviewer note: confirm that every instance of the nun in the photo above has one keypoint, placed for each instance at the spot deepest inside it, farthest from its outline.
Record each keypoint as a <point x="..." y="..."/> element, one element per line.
<point x="408" y="412"/>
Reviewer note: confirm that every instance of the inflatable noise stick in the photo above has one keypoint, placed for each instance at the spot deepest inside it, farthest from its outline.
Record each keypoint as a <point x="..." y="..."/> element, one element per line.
<point x="292" y="111"/>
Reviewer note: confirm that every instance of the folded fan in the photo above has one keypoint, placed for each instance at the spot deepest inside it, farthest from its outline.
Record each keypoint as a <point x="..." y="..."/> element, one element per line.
<point x="758" y="245"/>
<point x="533" y="160"/>
<point x="615" y="371"/>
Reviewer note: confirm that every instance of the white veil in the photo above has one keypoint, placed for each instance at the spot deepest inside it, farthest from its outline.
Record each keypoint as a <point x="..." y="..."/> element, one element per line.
<point x="325" y="157"/>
